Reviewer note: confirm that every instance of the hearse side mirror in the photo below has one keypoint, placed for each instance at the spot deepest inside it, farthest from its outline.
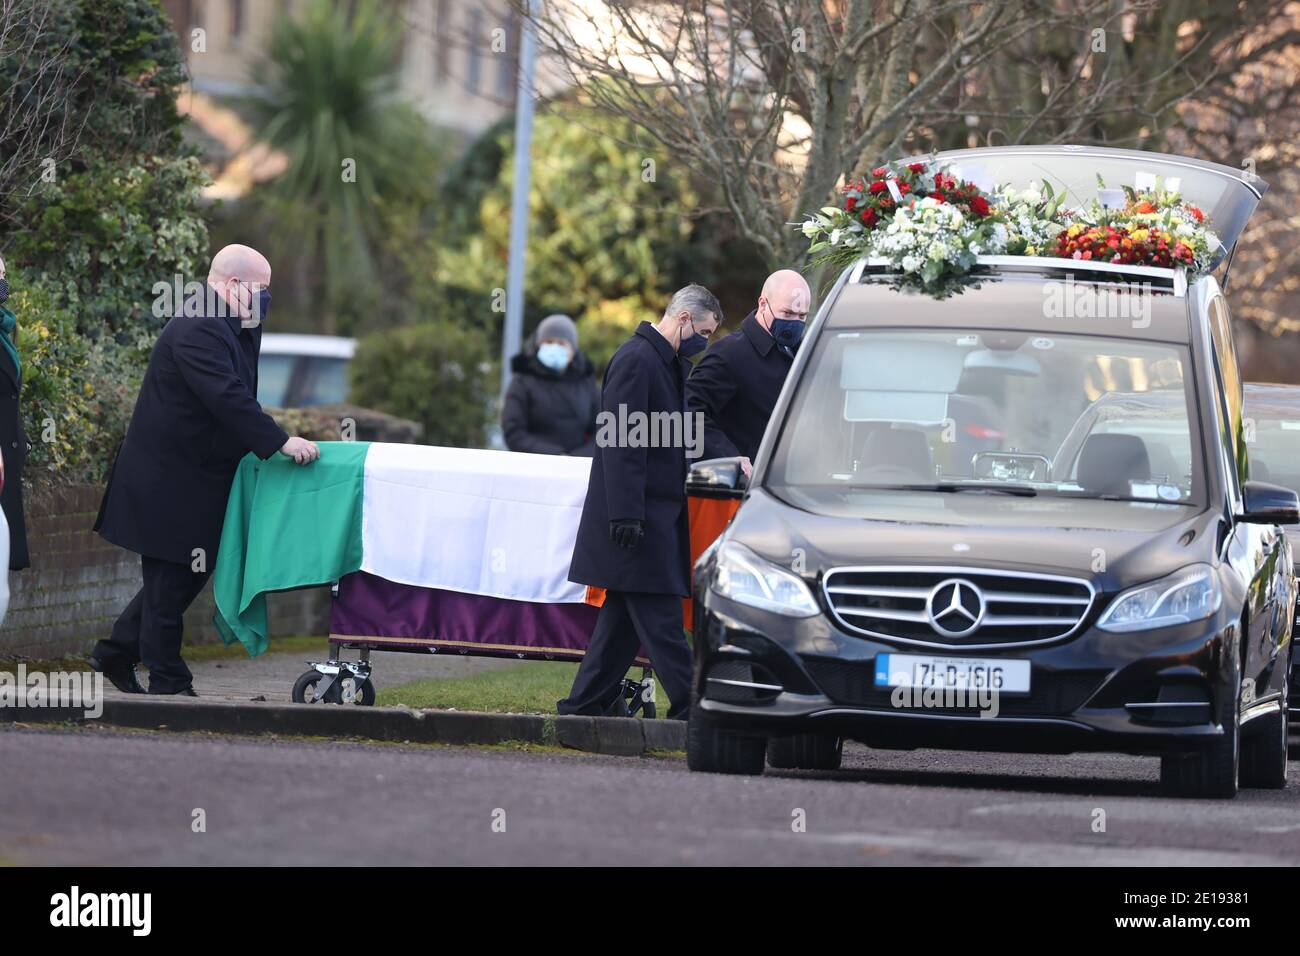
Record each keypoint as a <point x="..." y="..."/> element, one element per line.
<point x="717" y="478"/>
<point x="1269" y="504"/>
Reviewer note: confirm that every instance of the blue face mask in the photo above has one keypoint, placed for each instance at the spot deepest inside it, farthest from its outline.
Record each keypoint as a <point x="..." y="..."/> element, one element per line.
<point x="261" y="307"/>
<point x="553" y="355"/>
<point x="692" y="346"/>
<point x="787" y="332"/>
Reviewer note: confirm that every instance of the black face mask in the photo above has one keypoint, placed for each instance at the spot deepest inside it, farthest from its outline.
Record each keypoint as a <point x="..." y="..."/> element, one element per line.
<point x="787" y="332"/>
<point x="4" y="290"/>
<point x="688" y="348"/>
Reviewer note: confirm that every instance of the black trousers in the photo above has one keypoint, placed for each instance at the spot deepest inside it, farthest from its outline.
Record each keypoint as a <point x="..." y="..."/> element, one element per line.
<point x="149" y="630"/>
<point x="627" y="620"/>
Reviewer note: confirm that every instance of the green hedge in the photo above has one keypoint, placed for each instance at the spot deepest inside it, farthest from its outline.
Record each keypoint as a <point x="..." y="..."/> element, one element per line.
<point x="77" y="394"/>
<point x="102" y="239"/>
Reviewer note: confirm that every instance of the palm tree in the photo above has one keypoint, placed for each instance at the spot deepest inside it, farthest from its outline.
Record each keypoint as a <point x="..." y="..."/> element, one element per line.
<point x="331" y="103"/>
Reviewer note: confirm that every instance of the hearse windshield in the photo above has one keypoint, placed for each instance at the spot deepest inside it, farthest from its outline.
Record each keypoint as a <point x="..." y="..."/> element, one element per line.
<point x="990" y="412"/>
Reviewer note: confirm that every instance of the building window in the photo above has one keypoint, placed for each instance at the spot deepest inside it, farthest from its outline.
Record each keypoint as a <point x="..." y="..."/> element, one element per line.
<point x="442" y="33"/>
<point x="508" y="61"/>
<point x="475" y="72"/>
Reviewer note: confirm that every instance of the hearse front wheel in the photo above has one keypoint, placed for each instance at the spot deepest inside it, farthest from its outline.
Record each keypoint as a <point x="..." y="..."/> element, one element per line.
<point x="1211" y="772"/>
<point x="710" y="749"/>
<point x="805" y="752"/>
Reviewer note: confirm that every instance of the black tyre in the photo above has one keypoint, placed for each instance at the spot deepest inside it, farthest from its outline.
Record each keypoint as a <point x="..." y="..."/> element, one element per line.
<point x="805" y="752"/>
<point x="1264" y="750"/>
<point x="1213" y="771"/>
<point x="304" y="688"/>
<point x="710" y="749"/>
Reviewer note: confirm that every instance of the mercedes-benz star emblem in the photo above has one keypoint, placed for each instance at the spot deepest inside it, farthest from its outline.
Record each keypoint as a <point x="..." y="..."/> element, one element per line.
<point x="955" y="607"/>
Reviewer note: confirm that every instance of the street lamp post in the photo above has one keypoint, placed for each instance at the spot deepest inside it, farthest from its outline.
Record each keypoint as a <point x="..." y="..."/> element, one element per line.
<point x="510" y="340"/>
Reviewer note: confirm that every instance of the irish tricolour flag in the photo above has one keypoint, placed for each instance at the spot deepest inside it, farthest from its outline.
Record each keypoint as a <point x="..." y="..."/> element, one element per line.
<point x="431" y="547"/>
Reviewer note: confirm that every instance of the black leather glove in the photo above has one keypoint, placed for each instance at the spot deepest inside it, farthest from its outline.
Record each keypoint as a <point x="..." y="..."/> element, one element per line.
<point x="626" y="532"/>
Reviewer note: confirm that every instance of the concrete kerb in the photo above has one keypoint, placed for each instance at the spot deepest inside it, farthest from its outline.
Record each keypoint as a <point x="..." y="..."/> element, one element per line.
<point x="619" y="736"/>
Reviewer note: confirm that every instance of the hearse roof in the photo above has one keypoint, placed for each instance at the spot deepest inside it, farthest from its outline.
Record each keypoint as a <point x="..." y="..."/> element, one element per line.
<point x="1049" y="303"/>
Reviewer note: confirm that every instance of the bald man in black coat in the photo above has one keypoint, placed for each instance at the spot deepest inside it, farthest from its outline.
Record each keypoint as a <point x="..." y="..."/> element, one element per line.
<point x="736" y="384"/>
<point x="196" y="416"/>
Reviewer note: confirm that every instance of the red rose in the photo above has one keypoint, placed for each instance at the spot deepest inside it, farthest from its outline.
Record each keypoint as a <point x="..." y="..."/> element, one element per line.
<point x="869" y="217"/>
<point x="849" y="204"/>
<point x="877" y="187"/>
<point x="916" y="167"/>
<point x="880" y="171"/>
<point x="979" y="206"/>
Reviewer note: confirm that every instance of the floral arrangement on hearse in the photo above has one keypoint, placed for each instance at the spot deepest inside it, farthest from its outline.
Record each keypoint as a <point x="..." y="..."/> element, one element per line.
<point x="1151" y="228"/>
<point x="931" y="226"/>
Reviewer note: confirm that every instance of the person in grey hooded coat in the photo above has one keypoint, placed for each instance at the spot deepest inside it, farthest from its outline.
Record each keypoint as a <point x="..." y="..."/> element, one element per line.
<point x="553" y="399"/>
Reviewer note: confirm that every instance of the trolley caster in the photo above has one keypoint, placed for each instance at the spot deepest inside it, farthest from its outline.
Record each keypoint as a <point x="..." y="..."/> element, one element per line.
<point x="335" y="682"/>
<point x="640" y="696"/>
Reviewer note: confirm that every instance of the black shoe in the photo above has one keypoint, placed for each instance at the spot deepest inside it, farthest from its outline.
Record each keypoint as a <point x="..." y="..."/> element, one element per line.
<point x="184" y="692"/>
<point x="120" y="674"/>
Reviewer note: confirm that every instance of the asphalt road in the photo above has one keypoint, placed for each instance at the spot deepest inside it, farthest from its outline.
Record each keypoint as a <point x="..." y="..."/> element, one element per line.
<point x="99" y="796"/>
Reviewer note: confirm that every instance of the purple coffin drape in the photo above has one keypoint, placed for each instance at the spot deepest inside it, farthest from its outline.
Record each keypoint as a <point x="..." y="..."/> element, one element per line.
<point x="382" y="613"/>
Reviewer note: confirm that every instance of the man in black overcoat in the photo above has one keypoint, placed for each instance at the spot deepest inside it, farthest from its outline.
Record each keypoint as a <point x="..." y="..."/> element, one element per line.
<point x="736" y="384"/>
<point x="196" y="416"/>
<point x="14" y="445"/>
<point x="633" y="538"/>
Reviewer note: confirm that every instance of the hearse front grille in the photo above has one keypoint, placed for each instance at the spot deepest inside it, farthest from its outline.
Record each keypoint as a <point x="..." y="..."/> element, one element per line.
<point x="957" y="607"/>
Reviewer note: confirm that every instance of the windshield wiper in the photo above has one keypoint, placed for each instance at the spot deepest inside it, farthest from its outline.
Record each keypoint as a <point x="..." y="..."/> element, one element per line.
<point x="1145" y="501"/>
<point x="1020" y="491"/>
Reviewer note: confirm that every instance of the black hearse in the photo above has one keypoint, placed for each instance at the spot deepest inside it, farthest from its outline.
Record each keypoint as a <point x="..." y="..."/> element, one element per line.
<point x="1107" y="579"/>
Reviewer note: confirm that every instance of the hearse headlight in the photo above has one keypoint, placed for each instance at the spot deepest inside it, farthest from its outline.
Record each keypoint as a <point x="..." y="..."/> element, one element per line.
<point x="1191" y="594"/>
<point x="746" y="578"/>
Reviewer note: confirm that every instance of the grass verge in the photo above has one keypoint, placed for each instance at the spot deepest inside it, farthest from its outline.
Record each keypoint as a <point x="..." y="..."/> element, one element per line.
<point x="529" y="687"/>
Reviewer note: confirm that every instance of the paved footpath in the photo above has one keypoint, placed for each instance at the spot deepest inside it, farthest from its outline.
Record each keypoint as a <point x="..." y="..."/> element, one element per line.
<point x="270" y="677"/>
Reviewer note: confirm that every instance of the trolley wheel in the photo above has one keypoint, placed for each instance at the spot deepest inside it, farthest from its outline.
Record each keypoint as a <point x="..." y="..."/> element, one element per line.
<point x="341" y="691"/>
<point x="304" y="688"/>
<point x="636" y="691"/>
<point x="350" y="693"/>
